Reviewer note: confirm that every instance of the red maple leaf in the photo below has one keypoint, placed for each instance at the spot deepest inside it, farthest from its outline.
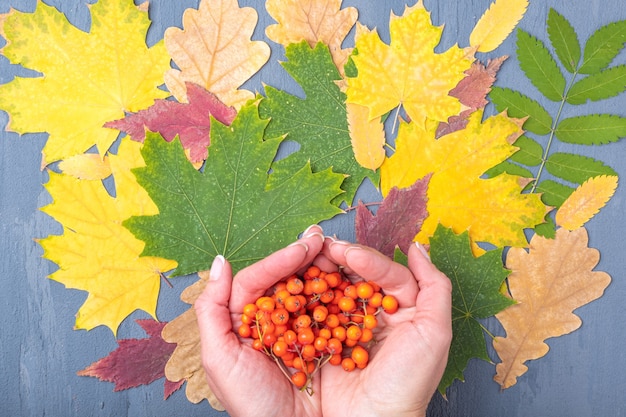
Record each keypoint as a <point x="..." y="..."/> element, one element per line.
<point x="190" y="121"/>
<point x="472" y="93"/>
<point x="398" y="219"/>
<point x="136" y="361"/>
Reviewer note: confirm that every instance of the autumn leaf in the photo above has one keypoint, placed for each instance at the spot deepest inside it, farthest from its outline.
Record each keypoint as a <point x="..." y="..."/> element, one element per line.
<point x="549" y="281"/>
<point x="185" y="364"/>
<point x="407" y="72"/>
<point x="88" y="166"/>
<point x="136" y="361"/>
<point x="227" y="209"/>
<point x="397" y="220"/>
<point x="472" y="93"/>
<point x="492" y="209"/>
<point x="366" y="136"/>
<point x="318" y="122"/>
<point x="95" y="253"/>
<point x="475" y="295"/>
<point x="214" y="50"/>
<point x="497" y="23"/>
<point x="191" y="121"/>
<point x="586" y="201"/>
<point x="87" y="79"/>
<point x="312" y="21"/>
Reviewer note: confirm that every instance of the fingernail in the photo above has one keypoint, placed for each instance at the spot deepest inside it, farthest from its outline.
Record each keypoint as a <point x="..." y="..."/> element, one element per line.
<point x="351" y="248"/>
<point x="339" y="242"/>
<point x="308" y="233"/>
<point x="298" y="243"/>
<point x="216" y="268"/>
<point x="422" y="250"/>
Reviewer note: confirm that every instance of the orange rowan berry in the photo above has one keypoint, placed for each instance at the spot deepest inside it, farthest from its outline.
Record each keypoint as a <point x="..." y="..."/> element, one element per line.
<point x="366" y="336"/>
<point x="308" y="287"/>
<point x="327" y="296"/>
<point x="359" y="355"/>
<point x="280" y="316"/>
<point x="350" y="342"/>
<point x="250" y="310"/>
<point x="350" y="291"/>
<point x="339" y="333"/>
<point x="334" y="346"/>
<point x="244" y="330"/>
<point x="335" y="359"/>
<point x="320" y="343"/>
<point x="302" y="322"/>
<point x="333" y="279"/>
<point x="347" y="304"/>
<point x="332" y="321"/>
<point x="281" y="296"/>
<point x="306" y="336"/>
<point x="257" y="344"/>
<point x="299" y="379"/>
<point x="325" y="333"/>
<point x="348" y="364"/>
<point x="295" y="285"/>
<point x="319" y="285"/>
<point x="364" y="290"/>
<point x="370" y="321"/>
<point x="313" y="271"/>
<point x="269" y="339"/>
<point x="308" y="352"/>
<point x="266" y="304"/>
<point x="390" y="304"/>
<point x="320" y="313"/>
<point x="293" y="303"/>
<point x="290" y="337"/>
<point x="376" y="300"/>
<point x="280" y="348"/>
<point x="354" y="332"/>
<point x="247" y="319"/>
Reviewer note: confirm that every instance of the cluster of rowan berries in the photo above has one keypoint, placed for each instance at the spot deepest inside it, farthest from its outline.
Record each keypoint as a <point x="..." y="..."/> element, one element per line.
<point x="307" y="321"/>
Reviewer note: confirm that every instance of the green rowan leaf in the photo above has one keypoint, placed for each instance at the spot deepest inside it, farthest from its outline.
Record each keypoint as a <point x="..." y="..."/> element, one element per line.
<point x="227" y="209"/>
<point x="553" y="193"/>
<point x="564" y="40"/>
<point x="602" y="47"/>
<point x="475" y="295"/>
<point x="508" y="168"/>
<point x="600" y="86"/>
<point x="547" y="229"/>
<point x="318" y="122"/>
<point x="530" y="152"/>
<point x="576" y="168"/>
<point x="519" y="106"/>
<point x="593" y="129"/>
<point x="539" y="66"/>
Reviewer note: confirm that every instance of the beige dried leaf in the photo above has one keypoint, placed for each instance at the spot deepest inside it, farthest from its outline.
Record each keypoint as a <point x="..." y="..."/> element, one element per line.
<point x="312" y="21"/>
<point x="214" y="49"/>
<point x="186" y="362"/>
<point x="549" y="282"/>
<point x="586" y="201"/>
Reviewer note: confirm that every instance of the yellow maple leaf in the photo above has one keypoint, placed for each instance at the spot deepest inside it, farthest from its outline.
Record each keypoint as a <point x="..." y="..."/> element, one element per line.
<point x="96" y="253"/>
<point x="312" y="21"/>
<point x="367" y="137"/>
<point x="214" y="50"/>
<point x="492" y="209"/>
<point x="549" y="282"/>
<point x="88" y="166"/>
<point x="407" y="72"/>
<point x="497" y="23"/>
<point x="586" y="201"/>
<point x="88" y="78"/>
<point x="186" y="362"/>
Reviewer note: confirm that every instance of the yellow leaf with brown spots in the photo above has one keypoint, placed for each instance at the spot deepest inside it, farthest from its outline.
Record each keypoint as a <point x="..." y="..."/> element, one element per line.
<point x="586" y="201"/>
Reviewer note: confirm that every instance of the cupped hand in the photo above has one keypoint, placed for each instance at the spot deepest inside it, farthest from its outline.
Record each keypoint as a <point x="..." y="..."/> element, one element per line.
<point x="247" y="382"/>
<point x="410" y="355"/>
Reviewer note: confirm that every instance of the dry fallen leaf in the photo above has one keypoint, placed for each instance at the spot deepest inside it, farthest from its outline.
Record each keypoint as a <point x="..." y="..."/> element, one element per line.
<point x="586" y="201"/>
<point x="214" y="50"/>
<point x="88" y="166"/>
<point x="549" y="282"/>
<point x="497" y="23"/>
<point x="312" y="21"/>
<point x="366" y="136"/>
<point x="186" y="363"/>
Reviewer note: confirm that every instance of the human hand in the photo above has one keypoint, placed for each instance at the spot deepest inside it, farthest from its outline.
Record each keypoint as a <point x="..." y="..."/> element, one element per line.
<point x="409" y="359"/>
<point x="247" y="382"/>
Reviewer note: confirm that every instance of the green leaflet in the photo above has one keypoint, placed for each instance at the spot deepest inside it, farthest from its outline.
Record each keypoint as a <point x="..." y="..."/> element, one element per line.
<point x="539" y="66"/>
<point x="228" y="209"/>
<point x="544" y="124"/>
<point x="602" y="47"/>
<point x="475" y="295"/>
<point x="564" y="40"/>
<point x="318" y="122"/>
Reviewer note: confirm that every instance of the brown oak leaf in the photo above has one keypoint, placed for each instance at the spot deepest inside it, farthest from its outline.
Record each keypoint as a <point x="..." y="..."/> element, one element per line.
<point x="549" y="282"/>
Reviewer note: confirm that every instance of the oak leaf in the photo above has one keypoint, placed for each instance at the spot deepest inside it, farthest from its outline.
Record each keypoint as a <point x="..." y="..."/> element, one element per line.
<point x="548" y="282"/>
<point x="185" y="364"/>
<point x="214" y="50"/>
<point x="476" y="283"/>
<point x="191" y="121"/>
<point x="397" y="220"/>
<point x="497" y="23"/>
<point x="492" y="209"/>
<point x="228" y="208"/>
<point x="96" y="253"/>
<point x="136" y="361"/>
<point x="312" y="21"/>
<point x="88" y="78"/>
<point x="586" y="201"/>
<point x="407" y="72"/>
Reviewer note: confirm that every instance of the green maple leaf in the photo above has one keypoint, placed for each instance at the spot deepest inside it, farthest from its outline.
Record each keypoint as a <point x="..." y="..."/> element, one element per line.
<point x="475" y="295"/>
<point x="227" y="209"/>
<point x="318" y="123"/>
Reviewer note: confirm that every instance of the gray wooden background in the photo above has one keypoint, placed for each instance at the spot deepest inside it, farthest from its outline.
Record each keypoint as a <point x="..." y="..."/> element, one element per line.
<point x="584" y="374"/>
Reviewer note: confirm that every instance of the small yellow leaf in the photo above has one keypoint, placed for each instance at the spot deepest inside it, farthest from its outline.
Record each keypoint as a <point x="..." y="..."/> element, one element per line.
<point x="88" y="166"/>
<point x="312" y="21"/>
<point x="88" y="78"/>
<point x="549" y="282"/>
<point x="586" y="201"/>
<point x="407" y="72"/>
<point x="96" y="253"/>
<point x="497" y="23"/>
<point x="214" y="50"/>
<point x="367" y="137"/>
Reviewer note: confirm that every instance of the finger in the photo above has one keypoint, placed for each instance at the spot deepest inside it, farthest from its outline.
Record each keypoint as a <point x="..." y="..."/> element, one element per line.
<point x="218" y="342"/>
<point x="434" y="300"/>
<point x="253" y="281"/>
<point x="372" y="265"/>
